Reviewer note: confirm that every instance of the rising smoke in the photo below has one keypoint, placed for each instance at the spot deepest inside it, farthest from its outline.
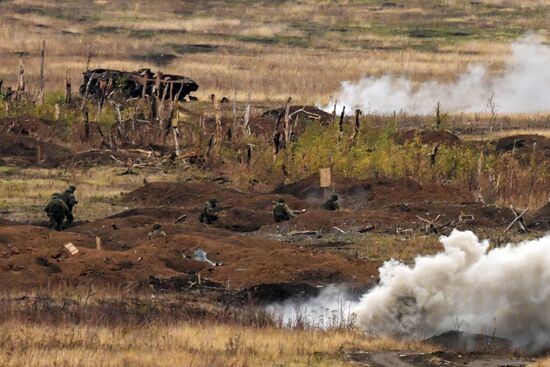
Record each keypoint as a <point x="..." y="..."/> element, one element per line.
<point x="505" y="291"/>
<point x="467" y="287"/>
<point x="522" y="87"/>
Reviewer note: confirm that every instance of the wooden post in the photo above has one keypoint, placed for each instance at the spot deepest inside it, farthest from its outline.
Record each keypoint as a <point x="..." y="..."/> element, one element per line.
<point x="86" y="123"/>
<point x="144" y="88"/>
<point x="86" y="91"/>
<point x="98" y="243"/>
<point x="355" y="133"/>
<point x="236" y="131"/>
<point x="218" y="135"/>
<point x="341" y="124"/>
<point x="21" y="81"/>
<point x="68" y="87"/>
<point x="334" y="112"/>
<point x="246" y="125"/>
<point x="176" y="144"/>
<point x="287" y="121"/>
<point x="38" y="153"/>
<point x="1" y="81"/>
<point x="42" y="83"/>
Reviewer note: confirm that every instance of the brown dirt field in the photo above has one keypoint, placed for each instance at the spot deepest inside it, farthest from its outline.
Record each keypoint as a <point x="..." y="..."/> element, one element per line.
<point x="128" y="256"/>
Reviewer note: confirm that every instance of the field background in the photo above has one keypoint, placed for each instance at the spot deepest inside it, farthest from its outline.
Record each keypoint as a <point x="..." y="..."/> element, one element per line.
<point x="273" y="48"/>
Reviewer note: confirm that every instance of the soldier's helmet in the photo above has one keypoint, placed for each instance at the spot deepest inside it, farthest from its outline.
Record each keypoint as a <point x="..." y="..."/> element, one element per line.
<point x="212" y="200"/>
<point x="71" y="188"/>
<point x="334" y="197"/>
<point x="55" y="195"/>
<point x="156" y="226"/>
<point x="281" y="201"/>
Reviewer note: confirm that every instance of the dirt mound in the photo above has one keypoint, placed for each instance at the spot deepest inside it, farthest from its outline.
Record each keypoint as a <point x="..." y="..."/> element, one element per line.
<point x="430" y="137"/>
<point x="467" y="343"/>
<point x="377" y="193"/>
<point x="304" y="112"/>
<point x="521" y="143"/>
<point x="37" y="128"/>
<point x="541" y="219"/>
<point x="107" y="157"/>
<point x="192" y="195"/>
<point x="26" y="150"/>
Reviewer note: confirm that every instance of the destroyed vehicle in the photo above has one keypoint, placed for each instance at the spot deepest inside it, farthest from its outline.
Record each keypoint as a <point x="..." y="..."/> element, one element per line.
<point x="99" y="83"/>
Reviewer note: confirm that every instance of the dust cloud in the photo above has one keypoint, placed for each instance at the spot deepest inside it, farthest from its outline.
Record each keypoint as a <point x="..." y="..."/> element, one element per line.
<point x="504" y="291"/>
<point x="520" y="88"/>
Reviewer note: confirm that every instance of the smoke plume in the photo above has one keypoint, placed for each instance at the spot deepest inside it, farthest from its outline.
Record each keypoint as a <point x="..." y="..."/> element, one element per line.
<point x="522" y="87"/>
<point x="332" y="308"/>
<point x="505" y="291"/>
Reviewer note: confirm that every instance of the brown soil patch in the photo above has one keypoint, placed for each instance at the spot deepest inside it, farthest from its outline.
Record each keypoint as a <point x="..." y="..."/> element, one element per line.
<point x="541" y="219"/>
<point x="23" y="151"/>
<point x="40" y="259"/>
<point x="429" y="137"/>
<point x="377" y="193"/>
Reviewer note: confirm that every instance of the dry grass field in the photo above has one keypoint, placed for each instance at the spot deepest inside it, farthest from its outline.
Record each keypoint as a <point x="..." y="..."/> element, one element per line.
<point x="274" y="49"/>
<point x="198" y="345"/>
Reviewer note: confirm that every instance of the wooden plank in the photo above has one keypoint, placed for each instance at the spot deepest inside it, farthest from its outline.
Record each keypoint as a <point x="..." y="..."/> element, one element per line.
<point x="325" y="177"/>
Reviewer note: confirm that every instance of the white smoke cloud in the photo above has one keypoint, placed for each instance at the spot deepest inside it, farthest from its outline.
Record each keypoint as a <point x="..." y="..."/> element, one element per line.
<point x="505" y="290"/>
<point x="332" y="308"/>
<point x="522" y="87"/>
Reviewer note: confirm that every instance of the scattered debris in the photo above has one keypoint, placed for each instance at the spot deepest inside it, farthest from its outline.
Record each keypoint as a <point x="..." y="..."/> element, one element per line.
<point x="181" y="218"/>
<point x="518" y="219"/>
<point x="71" y="248"/>
<point x="304" y="233"/>
<point x="200" y="255"/>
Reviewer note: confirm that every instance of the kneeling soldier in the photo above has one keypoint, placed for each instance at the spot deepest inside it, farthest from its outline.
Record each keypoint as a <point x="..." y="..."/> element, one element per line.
<point x="331" y="203"/>
<point x="281" y="212"/>
<point x="208" y="214"/>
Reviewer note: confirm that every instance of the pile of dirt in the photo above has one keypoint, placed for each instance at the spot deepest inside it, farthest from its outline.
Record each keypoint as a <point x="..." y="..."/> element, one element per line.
<point x="107" y="157"/>
<point x="541" y="219"/>
<point x="459" y="341"/>
<point x="40" y="129"/>
<point x="522" y="143"/>
<point x="25" y="151"/>
<point x="192" y="195"/>
<point x="429" y="137"/>
<point x="306" y="112"/>
<point x="377" y="193"/>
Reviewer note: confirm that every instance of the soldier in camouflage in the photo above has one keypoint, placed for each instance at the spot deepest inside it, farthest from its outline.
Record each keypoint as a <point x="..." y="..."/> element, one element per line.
<point x="156" y="232"/>
<point x="331" y="203"/>
<point x="70" y="200"/>
<point x="282" y="212"/>
<point x="57" y="210"/>
<point x="208" y="214"/>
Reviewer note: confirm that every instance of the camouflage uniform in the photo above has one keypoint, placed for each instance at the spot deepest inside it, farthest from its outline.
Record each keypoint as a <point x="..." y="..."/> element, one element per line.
<point x="156" y="232"/>
<point x="282" y="212"/>
<point x="57" y="210"/>
<point x="331" y="203"/>
<point x="208" y="214"/>
<point x="70" y="200"/>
